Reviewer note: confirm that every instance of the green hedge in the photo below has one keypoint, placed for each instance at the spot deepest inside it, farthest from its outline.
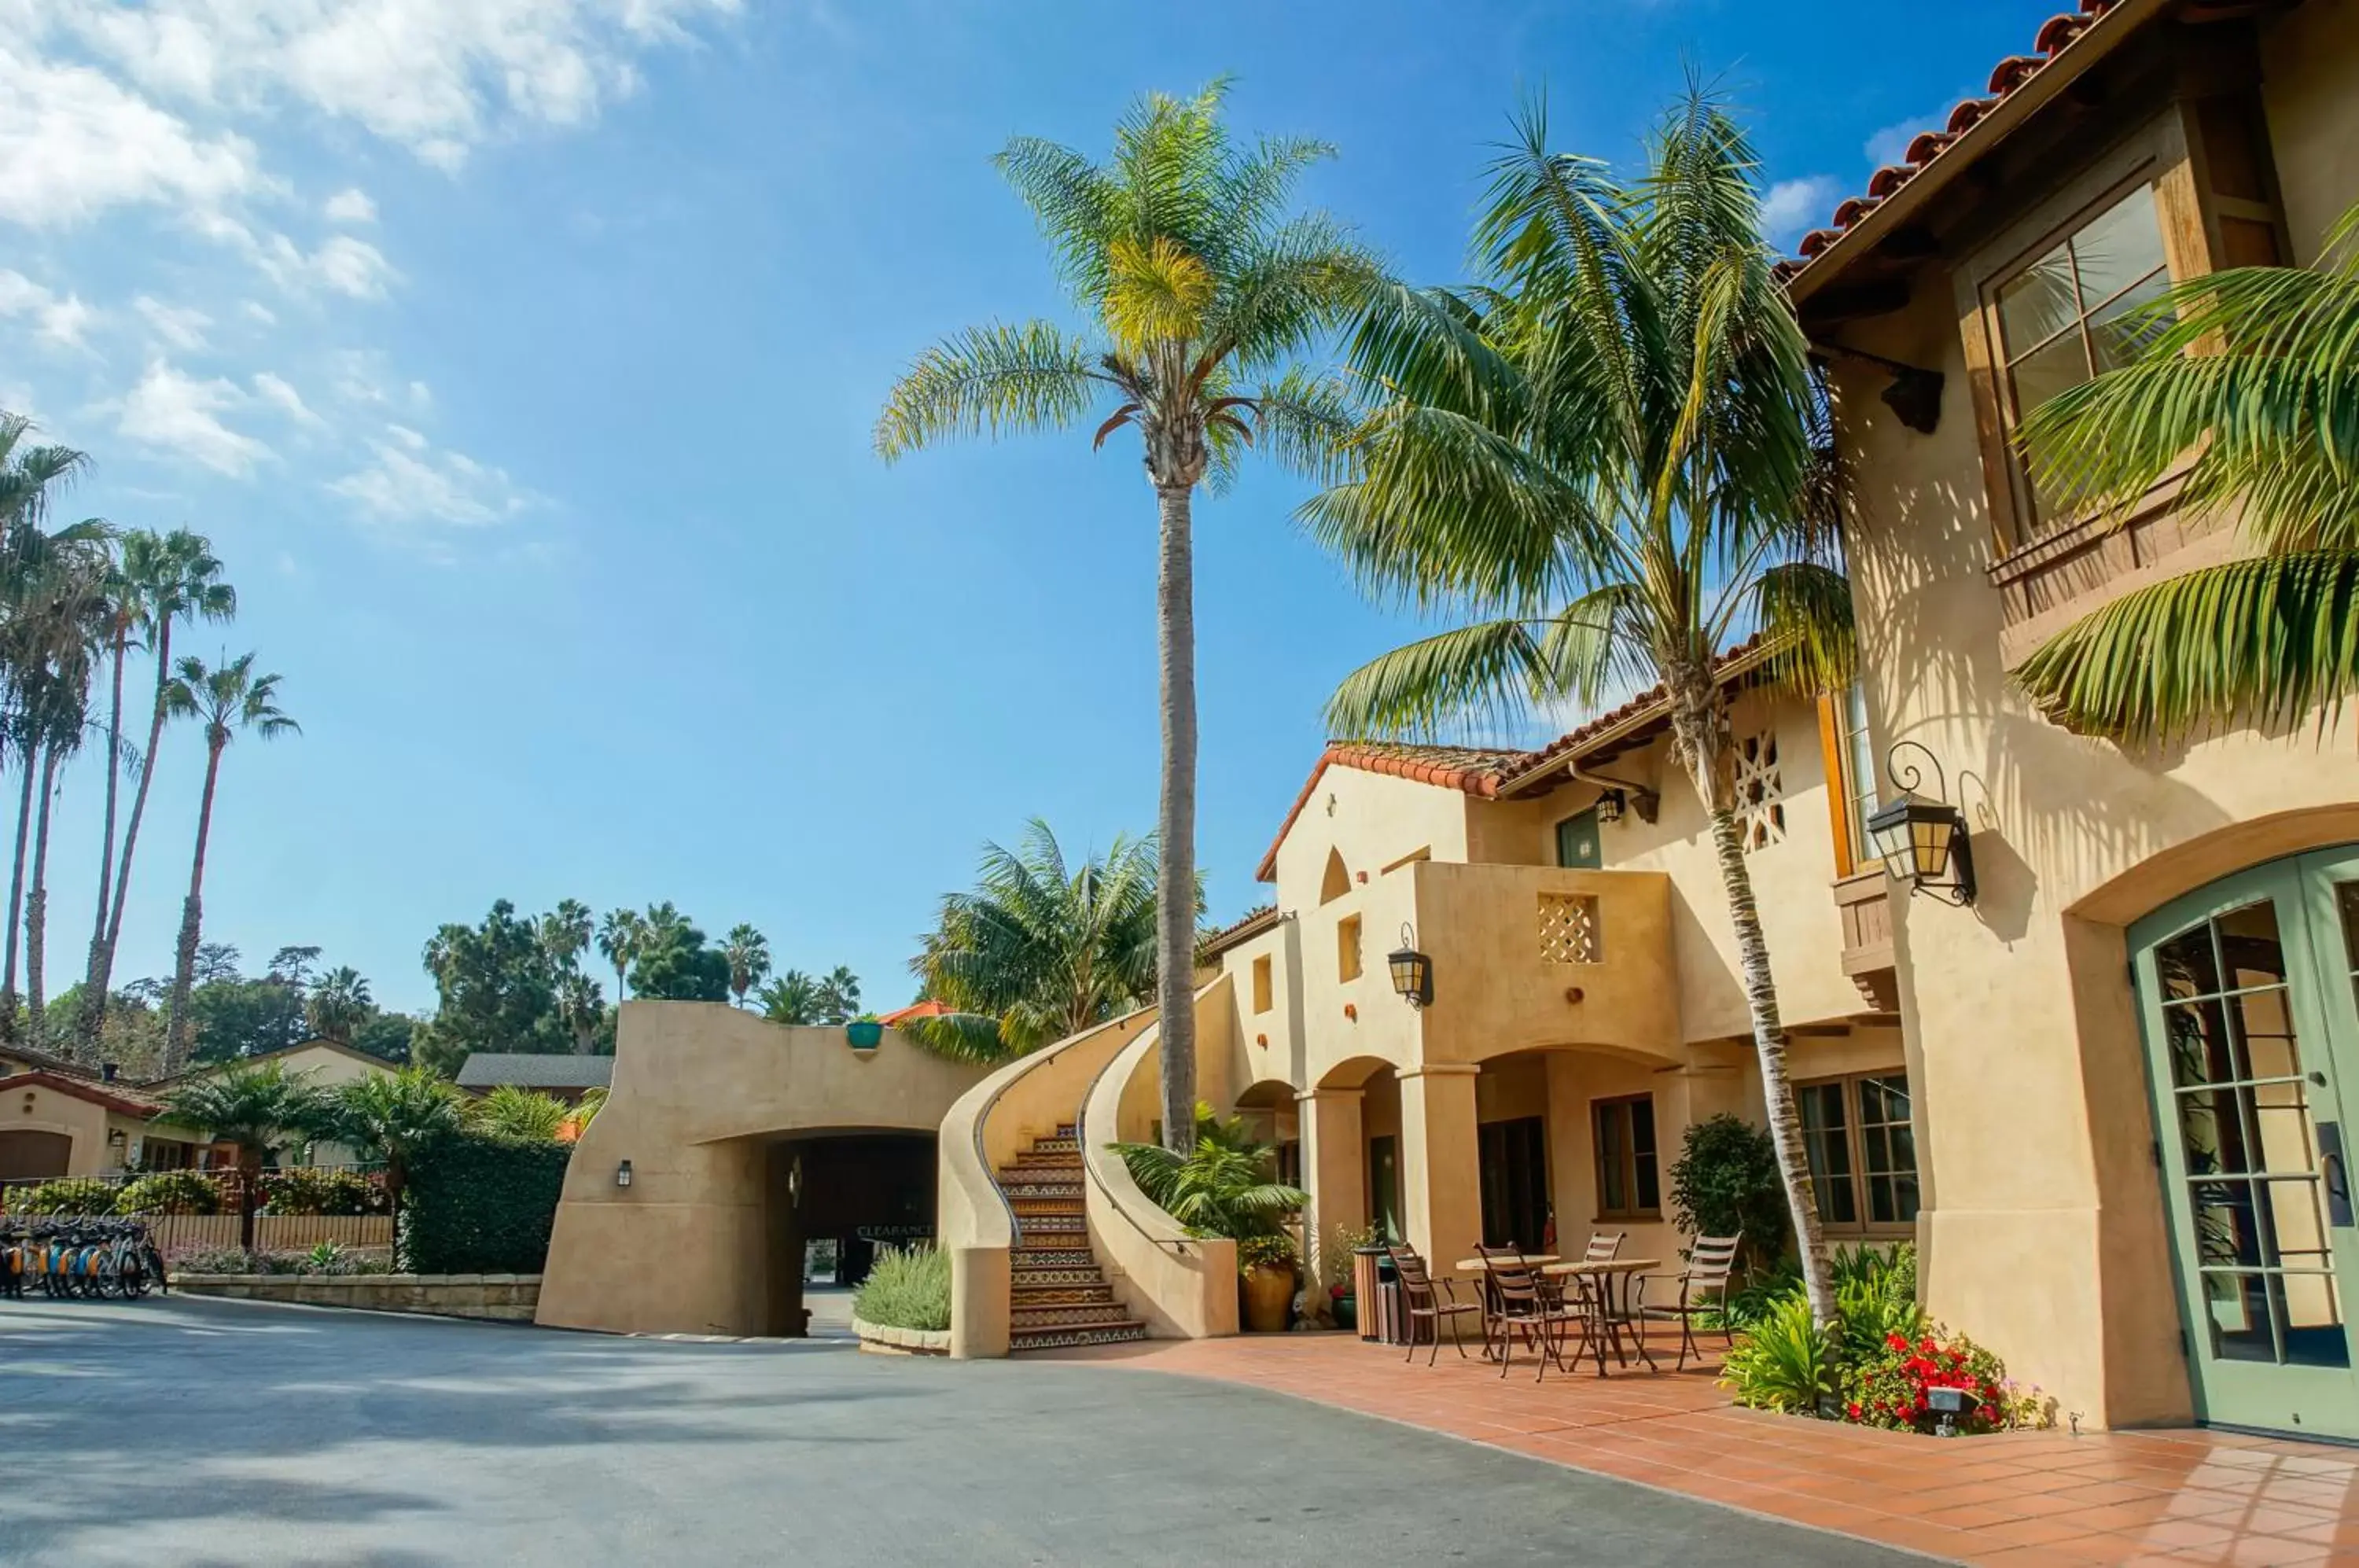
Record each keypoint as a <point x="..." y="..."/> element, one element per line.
<point x="481" y="1205"/>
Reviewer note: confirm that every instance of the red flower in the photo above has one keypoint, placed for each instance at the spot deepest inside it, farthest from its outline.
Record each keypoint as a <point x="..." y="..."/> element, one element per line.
<point x="1896" y="1341"/>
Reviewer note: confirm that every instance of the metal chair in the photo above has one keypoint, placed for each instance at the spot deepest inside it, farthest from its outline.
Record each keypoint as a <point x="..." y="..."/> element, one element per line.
<point x="1529" y="1308"/>
<point x="1419" y="1289"/>
<point x="1604" y="1246"/>
<point x="1703" y="1288"/>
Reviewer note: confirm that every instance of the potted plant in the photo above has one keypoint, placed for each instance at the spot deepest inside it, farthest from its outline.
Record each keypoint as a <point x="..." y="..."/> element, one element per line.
<point x="1338" y="1271"/>
<point x="865" y="1033"/>
<point x="1228" y="1186"/>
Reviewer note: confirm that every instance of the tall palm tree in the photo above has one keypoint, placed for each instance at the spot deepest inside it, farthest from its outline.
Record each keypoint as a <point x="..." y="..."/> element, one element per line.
<point x="1041" y="949"/>
<point x="1200" y="290"/>
<point x="1609" y="452"/>
<point x="580" y="1008"/>
<point x="2248" y="376"/>
<point x="565" y="931"/>
<point x="338" y="1005"/>
<point x="622" y="937"/>
<point x="229" y="698"/>
<point x="168" y="578"/>
<point x="791" y="999"/>
<point x="839" y="996"/>
<point x="257" y="1108"/>
<point x="748" y="952"/>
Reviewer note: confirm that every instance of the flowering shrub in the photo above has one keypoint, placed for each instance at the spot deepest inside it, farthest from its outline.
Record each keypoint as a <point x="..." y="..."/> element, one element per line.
<point x="1893" y="1388"/>
<point x="316" y="1190"/>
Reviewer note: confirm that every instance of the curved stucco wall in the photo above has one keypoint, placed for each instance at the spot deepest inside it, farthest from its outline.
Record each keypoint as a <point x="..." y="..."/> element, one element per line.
<point x="700" y="1090"/>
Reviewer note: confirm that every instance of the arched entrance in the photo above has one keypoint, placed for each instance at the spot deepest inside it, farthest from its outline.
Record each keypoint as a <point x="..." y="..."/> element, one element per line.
<point x="833" y="1199"/>
<point x="2251" y="1029"/>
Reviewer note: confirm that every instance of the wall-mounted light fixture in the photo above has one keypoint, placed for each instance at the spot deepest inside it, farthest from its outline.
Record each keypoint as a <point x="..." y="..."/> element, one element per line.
<point x="1923" y="842"/>
<point x="622" y="1174"/>
<point x="1412" y="971"/>
<point x="1610" y="806"/>
<point x="1914" y="395"/>
<point x="1617" y="797"/>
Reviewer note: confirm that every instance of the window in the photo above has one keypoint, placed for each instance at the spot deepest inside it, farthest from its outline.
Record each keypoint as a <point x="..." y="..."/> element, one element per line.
<point x="1261" y="984"/>
<point x="2063" y="316"/>
<point x="1627" y="1185"/>
<point x="1335" y="881"/>
<point x="1851" y="759"/>
<point x="1862" y="1151"/>
<point x="1513" y="1160"/>
<point x="1347" y="948"/>
<point x="1576" y="842"/>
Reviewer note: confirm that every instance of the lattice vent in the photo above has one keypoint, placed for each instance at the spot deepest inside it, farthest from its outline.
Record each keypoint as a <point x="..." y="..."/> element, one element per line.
<point x="1568" y="928"/>
<point x="1760" y="791"/>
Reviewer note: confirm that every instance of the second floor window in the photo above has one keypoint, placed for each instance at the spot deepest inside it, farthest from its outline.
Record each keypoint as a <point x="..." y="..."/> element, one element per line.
<point x="1856" y="757"/>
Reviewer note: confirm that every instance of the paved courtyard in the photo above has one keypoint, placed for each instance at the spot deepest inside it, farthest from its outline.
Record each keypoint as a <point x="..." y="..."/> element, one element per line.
<point x="221" y="1433"/>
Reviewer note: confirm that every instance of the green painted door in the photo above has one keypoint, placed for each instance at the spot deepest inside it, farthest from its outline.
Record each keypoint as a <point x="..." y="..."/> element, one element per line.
<point x="2252" y="1032"/>
<point x="1576" y="842"/>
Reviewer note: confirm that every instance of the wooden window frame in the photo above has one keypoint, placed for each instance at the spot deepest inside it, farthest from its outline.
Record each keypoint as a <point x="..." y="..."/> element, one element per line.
<point x="1599" y="1109"/>
<point x="1848" y="805"/>
<point x="1856" y="1141"/>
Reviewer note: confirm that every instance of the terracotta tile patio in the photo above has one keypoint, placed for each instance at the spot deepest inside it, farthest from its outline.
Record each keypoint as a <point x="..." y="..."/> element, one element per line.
<point x="2017" y="1497"/>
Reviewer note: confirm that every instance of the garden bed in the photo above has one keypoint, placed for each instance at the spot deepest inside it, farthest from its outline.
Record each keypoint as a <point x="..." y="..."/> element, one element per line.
<point x="902" y="1341"/>
<point x="499" y="1297"/>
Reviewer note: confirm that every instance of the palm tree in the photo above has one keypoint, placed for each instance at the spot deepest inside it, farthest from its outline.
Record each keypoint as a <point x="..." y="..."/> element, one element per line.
<point x="622" y="937"/>
<point x="55" y="624"/>
<point x="518" y="1114"/>
<point x="393" y="1115"/>
<point x="255" y="1107"/>
<point x="1610" y="451"/>
<point x="1199" y="288"/>
<point x="2246" y="372"/>
<point x="338" y="1005"/>
<point x="748" y="952"/>
<point x="565" y="931"/>
<point x="791" y="999"/>
<point x="1041" y="949"/>
<point x="228" y="698"/>
<point x="170" y="578"/>
<point x="839" y="996"/>
<point x="582" y="1008"/>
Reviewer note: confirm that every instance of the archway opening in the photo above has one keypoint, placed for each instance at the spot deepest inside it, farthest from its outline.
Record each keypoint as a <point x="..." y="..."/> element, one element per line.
<point x="832" y="1199"/>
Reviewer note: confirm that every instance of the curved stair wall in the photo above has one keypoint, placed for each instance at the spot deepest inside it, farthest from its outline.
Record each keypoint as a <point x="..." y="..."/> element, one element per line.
<point x="1180" y="1286"/>
<point x="992" y="1125"/>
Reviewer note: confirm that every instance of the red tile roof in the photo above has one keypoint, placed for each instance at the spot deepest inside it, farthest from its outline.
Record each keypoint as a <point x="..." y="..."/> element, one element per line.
<point x="1252" y="923"/>
<point x="114" y="1096"/>
<point x="2057" y="34"/>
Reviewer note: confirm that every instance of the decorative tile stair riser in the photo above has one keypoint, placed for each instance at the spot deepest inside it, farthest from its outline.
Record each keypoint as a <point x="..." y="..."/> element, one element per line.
<point x="1058" y="1294"/>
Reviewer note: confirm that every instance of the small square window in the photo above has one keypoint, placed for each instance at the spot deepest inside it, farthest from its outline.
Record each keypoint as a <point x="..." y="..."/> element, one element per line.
<point x="1261" y="984"/>
<point x="1347" y="948"/>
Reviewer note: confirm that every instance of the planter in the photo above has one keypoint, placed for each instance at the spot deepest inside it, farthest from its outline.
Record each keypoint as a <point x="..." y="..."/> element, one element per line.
<point x="1269" y="1293"/>
<point x="865" y="1035"/>
<point x="1347" y="1312"/>
<point x="885" y="1341"/>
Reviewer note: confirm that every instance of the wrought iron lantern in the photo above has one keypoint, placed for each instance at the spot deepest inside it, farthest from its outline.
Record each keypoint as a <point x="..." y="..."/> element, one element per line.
<point x="622" y="1174"/>
<point x="1412" y="971"/>
<point x="1924" y="840"/>
<point x="1610" y="807"/>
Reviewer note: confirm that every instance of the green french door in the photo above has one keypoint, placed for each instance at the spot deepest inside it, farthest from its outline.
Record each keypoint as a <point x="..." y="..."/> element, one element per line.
<point x="2252" y="1031"/>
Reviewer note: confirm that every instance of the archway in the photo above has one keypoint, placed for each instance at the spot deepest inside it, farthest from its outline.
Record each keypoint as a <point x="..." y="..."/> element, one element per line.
<point x="832" y="1199"/>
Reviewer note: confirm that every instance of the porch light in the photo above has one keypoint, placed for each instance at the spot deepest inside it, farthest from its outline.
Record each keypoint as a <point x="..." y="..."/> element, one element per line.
<point x="1412" y="971"/>
<point x="1610" y="806"/>
<point x="622" y="1174"/>
<point x="1923" y="842"/>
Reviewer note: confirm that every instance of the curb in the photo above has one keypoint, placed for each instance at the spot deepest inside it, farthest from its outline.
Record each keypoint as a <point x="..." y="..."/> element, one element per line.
<point x="902" y="1341"/>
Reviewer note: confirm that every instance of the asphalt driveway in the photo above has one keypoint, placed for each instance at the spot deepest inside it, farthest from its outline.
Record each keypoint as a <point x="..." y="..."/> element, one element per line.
<point x="189" y="1432"/>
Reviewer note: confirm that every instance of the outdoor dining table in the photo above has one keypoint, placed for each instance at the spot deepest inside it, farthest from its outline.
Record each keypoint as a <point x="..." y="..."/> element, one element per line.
<point x="1609" y="1317"/>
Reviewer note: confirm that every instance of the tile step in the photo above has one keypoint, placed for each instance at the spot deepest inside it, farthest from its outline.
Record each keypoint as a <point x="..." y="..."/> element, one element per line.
<point x="1073" y="1293"/>
<point x="1060" y="1338"/>
<point x="1086" y="1315"/>
<point x="1043" y="1278"/>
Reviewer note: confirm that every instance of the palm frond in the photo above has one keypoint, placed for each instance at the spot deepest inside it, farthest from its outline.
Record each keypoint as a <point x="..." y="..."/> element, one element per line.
<point x="989" y="381"/>
<point x="1488" y="675"/>
<point x="1805" y="613"/>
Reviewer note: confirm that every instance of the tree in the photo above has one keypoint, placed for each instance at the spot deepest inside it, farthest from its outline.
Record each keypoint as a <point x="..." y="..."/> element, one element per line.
<point x="748" y="952"/>
<point x="582" y="1008"/>
<point x="1039" y="949"/>
<point x="675" y="965"/>
<point x="565" y="931"/>
<point x="621" y="935"/>
<point x="170" y="578"/>
<point x="53" y="671"/>
<point x="229" y="700"/>
<point x="339" y="1005"/>
<point x="498" y="989"/>
<point x="386" y="1035"/>
<point x="1200" y="288"/>
<point x="791" y="999"/>
<point x="291" y="966"/>
<point x="392" y="1116"/>
<point x="839" y="996"/>
<point x="236" y="1017"/>
<point x="2247" y="371"/>
<point x="1610" y="451"/>
<point x="257" y="1108"/>
<point x="215" y="961"/>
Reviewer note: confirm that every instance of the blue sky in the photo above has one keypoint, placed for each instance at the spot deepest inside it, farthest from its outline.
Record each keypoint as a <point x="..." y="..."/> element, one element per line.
<point x="520" y="356"/>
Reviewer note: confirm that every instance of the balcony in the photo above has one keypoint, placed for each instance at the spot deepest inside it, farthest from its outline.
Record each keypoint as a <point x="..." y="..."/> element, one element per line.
<point x="1864" y="902"/>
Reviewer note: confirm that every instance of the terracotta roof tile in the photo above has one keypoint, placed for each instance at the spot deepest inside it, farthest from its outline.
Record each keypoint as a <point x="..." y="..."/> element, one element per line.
<point x="114" y="1096"/>
<point x="1249" y="924"/>
<point x="2059" y="33"/>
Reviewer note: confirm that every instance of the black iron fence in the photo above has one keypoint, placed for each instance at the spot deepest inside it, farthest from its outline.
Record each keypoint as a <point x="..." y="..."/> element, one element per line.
<point x="293" y="1209"/>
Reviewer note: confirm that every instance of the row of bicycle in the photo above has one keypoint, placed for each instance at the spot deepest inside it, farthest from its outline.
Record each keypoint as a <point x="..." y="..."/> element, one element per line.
<point x="89" y="1257"/>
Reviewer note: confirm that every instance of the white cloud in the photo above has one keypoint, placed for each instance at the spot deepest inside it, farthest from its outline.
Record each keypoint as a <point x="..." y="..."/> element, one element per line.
<point x="180" y="326"/>
<point x="1791" y="206"/>
<point x="348" y="265"/>
<point x="74" y="142"/>
<point x="257" y="310"/>
<point x="406" y="481"/>
<point x="277" y="392"/>
<point x="351" y="206"/>
<point x="58" y="320"/>
<point x="175" y="413"/>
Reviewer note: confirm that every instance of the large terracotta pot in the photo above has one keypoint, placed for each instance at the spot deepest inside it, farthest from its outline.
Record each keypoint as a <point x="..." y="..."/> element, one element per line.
<point x="1269" y="1292"/>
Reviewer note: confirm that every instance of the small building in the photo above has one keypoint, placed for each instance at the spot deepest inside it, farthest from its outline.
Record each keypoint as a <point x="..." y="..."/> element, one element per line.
<point x="567" y="1078"/>
<point x="325" y="1063"/>
<point x="59" y="1123"/>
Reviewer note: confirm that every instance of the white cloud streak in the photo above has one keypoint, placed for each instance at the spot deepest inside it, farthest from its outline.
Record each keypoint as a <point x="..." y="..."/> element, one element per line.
<point x="59" y="320"/>
<point x="407" y="481"/>
<point x="176" y="414"/>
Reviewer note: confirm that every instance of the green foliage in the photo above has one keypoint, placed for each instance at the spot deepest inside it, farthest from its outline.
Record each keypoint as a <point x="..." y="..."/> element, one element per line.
<point x="257" y="1108"/>
<point x="169" y="1192"/>
<point x="497" y="986"/>
<point x="311" y="1190"/>
<point x="518" y="1114"/>
<point x="339" y="1005"/>
<point x="1725" y="1181"/>
<point x="239" y="1017"/>
<point x="327" y="1258"/>
<point x="677" y="966"/>
<point x="1786" y="1361"/>
<point x="481" y="1205"/>
<point x="748" y="953"/>
<point x="1875" y="1297"/>
<point x="386" y="1035"/>
<point x="390" y="1115"/>
<point x="906" y="1287"/>
<point x="1226" y="1186"/>
<point x="64" y="1196"/>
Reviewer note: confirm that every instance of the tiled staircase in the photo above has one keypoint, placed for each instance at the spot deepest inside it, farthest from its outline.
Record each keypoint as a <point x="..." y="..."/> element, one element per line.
<point x="1058" y="1294"/>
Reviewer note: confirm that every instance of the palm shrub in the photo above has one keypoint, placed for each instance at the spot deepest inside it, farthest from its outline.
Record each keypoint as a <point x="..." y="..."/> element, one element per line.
<point x="1225" y="1186"/>
<point x="391" y="1115"/>
<point x="907" y="1288"/>
<point x="1787" y="1361"/>
<point x="518" y="1114"/>
<point x="257" y="1108"/>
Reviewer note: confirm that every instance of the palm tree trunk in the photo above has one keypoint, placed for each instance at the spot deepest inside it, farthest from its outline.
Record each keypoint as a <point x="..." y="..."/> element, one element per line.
<point x="138" y="803"/>
<point x="1175" y="821"/>
<point x="178" y="1026"/>
<point x="1696" y="724"/>
<point x="16" y="896"/>
<point x="36" y="909"/>
<point x="97" y="973"/>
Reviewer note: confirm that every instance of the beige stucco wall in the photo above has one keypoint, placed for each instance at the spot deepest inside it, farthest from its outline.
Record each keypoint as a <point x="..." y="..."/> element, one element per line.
<point x="701" y="1091"/>
<point x="40" y="1108"/>
<point x="2046" y="1233"/>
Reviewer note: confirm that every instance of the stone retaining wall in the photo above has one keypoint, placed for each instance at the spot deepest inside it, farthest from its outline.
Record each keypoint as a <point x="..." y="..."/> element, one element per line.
<point x="507" y="1297"/>
<point x="902" y="1341"/>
